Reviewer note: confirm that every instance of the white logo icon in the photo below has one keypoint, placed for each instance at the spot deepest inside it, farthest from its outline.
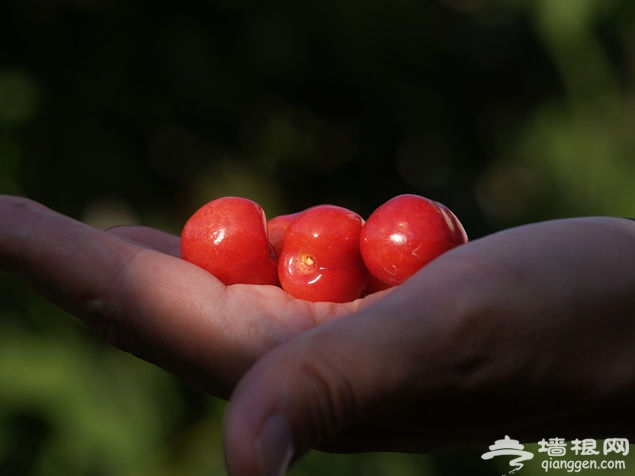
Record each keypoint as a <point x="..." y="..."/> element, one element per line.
<point x="509" y="447"/>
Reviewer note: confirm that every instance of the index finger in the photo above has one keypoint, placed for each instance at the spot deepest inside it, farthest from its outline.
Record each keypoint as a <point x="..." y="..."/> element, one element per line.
<point x="149" y="303"/>
<point x="149" y="237"/>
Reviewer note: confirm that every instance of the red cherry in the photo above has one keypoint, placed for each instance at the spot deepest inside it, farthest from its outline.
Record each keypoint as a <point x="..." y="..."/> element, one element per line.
<point x="276" y="227"/>
<point x="376" y="285"/>
<point x="404" y="234"/>
<point x="320" y="259"/>
<point x="228" y="238"/>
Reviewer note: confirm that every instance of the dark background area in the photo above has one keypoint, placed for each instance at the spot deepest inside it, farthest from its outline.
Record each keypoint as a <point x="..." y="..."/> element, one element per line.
<point x="139" y="112"/>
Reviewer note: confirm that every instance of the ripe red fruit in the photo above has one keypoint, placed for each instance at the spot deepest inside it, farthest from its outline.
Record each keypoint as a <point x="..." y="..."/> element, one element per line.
<point x="320" y="258"/>
<point x="404" y="234"/>
<point x="276" y="227"/>
<point x="375" y="285"/>
<point x="228" y="238"/>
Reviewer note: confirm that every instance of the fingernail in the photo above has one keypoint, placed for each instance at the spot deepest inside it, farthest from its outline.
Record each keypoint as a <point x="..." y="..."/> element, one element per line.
<point x="274" y="447"/>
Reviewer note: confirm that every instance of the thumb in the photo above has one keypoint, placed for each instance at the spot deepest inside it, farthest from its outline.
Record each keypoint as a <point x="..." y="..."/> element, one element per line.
<point x="312" y="390"/>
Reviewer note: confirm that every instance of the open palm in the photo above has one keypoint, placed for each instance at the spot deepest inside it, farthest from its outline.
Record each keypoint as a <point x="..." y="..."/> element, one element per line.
<point x="130" y="285"/>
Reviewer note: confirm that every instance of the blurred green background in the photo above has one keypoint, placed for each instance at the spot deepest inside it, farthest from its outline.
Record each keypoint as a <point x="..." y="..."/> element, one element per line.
<point x="139" y="112"/>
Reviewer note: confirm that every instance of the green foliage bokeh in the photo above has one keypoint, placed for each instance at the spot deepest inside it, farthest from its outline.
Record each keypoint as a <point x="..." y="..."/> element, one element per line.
<point x="507" y="111"/>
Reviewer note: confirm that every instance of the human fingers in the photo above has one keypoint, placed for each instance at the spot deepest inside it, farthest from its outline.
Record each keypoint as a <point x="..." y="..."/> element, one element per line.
<point x="321" y="388"/>
<point x="148" y="237"/>
<point x="148" y="302"/>
<point x="485" y="340"/>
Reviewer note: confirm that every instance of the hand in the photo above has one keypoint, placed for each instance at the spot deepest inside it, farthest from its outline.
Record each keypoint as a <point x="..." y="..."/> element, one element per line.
<point x="529" y="332"/>
<point x="129" y="284"/>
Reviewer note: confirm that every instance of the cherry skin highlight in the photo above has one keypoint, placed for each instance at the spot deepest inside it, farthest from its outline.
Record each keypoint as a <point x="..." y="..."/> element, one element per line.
<point x="406" y="233"/>
<point x="320" y="258"/>
<point x="228" y="238"/>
